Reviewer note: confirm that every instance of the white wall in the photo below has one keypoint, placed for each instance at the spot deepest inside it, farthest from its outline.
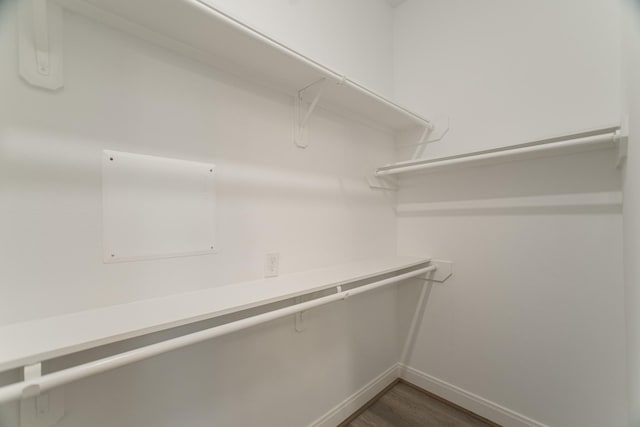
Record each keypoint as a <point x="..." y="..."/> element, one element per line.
<point x="559" y="61"/>
<point x="312" y="206"/>
<point x="353" y="37"/>
<point x="631" y="86"/>
<point x="533" y="319"/>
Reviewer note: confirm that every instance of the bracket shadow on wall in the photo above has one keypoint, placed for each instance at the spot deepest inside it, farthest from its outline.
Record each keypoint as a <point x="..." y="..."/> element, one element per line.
<point x="214" y="38"/>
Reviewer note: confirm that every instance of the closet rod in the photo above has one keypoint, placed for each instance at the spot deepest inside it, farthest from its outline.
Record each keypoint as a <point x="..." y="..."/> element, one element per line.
<point x="557" y="144"/>
<point x="33" y="387"/>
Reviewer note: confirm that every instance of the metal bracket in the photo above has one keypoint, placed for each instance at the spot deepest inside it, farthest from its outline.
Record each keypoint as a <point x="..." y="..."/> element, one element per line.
<point x="40" y="43"/>
<point x="623" y="146"/>
<point x="40" y="409"/>
<point x="443" y="272"/>
<point x="301" y="317"/>
<point x="386" y="183"/>
<point x="424" y="139"/>
<point x="301" y="121"/>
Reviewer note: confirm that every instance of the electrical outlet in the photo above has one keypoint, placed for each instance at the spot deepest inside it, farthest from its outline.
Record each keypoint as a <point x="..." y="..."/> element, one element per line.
<point x="271" y="263"/>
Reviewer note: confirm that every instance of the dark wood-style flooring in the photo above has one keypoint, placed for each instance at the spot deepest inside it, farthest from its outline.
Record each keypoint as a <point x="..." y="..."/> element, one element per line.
<point x="405" y="405"/>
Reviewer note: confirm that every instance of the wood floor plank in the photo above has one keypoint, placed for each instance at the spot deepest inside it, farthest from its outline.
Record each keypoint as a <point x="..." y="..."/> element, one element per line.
<point x="370" y="419"/>
<point x="406" y="406"/>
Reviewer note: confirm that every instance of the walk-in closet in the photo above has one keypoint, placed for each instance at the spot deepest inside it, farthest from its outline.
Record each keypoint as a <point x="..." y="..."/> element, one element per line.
<point x="319" y="213"/>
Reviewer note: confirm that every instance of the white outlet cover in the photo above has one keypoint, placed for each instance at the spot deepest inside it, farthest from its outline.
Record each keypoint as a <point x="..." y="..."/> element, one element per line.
<point x="271" y="264"/>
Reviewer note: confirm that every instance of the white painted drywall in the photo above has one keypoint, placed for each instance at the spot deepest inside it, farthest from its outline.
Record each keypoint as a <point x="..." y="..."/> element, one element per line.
<point x="312" y="206"/>
<point x="353" y="37"/>
<point x="507" y="72"/>
<point x="533" y="318"/>
<point x="631" y="72"/>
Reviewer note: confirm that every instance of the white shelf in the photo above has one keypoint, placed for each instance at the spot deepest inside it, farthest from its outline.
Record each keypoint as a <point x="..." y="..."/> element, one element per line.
<point x="200" y="30"/>
<point x="38" y="340"/>
<point x="603" y="200"/>
<point x="602" y="139"/>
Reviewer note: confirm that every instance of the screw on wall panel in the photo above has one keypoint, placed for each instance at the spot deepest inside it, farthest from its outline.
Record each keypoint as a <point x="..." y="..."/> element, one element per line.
<point x="210" y="170"/>
<point x="113" y="255"/>
<point x="111" y="158"/>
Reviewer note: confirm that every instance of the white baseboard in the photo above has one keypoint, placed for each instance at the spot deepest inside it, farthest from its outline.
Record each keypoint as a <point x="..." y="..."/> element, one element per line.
<point x="351" y="404"/>
<point x="474" y="403"/>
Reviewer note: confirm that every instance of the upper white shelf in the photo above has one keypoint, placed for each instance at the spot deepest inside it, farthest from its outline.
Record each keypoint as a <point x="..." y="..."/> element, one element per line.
<point x="38" y="340"/>
<point x="200" y="30"/>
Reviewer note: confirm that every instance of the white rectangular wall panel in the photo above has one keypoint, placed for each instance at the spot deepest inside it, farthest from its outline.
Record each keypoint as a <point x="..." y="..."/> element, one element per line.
<point x="156" y="207"/>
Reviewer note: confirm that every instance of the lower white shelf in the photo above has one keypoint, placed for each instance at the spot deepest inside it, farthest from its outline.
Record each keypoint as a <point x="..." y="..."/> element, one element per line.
<point x="35" y="341"/>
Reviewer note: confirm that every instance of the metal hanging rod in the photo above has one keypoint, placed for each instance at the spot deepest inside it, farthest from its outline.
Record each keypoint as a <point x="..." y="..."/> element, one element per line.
<point x="34" y="385"/>
<point x="570" y="143"/>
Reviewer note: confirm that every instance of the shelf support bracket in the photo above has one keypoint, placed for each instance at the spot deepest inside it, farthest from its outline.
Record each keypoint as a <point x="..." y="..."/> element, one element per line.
<point x="40" y="409"/>
<point x="301" y="316"/>
<point x="302" y="117"/>
<point x="430" y="131"/>
<point x="40" y="43"/>
<point x="443" y="271"/>
<point x="386" y="183"/>
<point x="623" y="146"/>
<point x="422" y="142"/>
